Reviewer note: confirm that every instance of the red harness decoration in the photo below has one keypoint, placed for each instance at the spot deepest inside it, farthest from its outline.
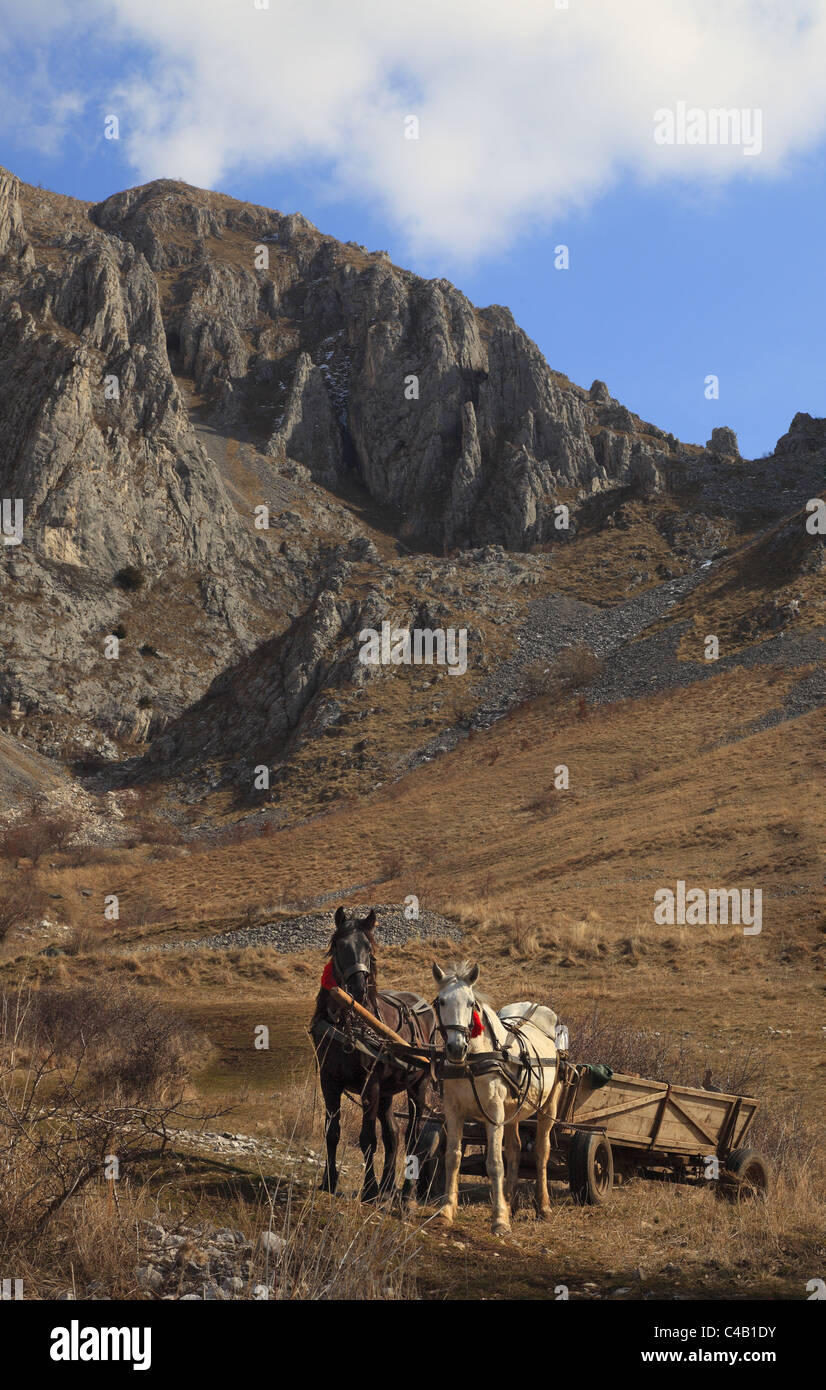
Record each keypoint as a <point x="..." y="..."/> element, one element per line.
<point x="477" y="1027"/>
<point x="327" y="977"/>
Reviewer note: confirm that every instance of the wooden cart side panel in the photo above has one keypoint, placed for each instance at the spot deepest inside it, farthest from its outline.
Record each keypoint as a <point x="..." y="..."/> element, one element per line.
<point x="626" y="1108"/>
<point x="747" y="1114"/>
<point x="678" y="1118"/>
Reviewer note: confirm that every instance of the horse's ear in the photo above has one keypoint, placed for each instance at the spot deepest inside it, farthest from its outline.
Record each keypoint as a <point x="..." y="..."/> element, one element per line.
<point x="339" y="917"/>
<point x="438" y="975"/>
<point x="472" y="975"/>
<point x="369" y="921"/>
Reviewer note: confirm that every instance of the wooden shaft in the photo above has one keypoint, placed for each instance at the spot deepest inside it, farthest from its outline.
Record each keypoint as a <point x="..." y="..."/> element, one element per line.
<point x="380" y="1026"/>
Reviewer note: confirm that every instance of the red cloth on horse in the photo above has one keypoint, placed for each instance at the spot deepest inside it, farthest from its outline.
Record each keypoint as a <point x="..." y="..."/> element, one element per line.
<point x="327" y="977"/>
<point x="477" y="1027"/>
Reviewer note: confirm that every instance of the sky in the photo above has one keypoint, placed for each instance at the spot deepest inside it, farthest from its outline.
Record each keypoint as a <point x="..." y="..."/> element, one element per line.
<point x="471" y="139"/>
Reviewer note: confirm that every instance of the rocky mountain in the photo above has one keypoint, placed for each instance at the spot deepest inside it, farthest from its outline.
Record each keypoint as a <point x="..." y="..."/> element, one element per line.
<point x="445" y="413"/>
<point x="237" y="441"/>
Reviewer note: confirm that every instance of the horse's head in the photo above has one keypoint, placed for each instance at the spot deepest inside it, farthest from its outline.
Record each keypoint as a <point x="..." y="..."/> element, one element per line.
<point x="353" y="953"/>
<point x="454" y="1005"/>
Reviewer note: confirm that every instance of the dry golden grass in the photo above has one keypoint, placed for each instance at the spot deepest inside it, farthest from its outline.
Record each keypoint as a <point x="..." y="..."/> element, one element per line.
<point x="555" y="906"/>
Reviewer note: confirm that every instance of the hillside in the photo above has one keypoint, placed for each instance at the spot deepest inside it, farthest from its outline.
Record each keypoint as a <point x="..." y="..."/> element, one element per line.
<point x="241" y="447"/>
<point x="173" y="360"/>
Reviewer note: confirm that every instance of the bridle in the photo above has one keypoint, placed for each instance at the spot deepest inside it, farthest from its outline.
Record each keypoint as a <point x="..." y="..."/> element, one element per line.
<point x="345" y="976"/>
<point x="464" y="1029"/>
<point x="529" y="1060"/>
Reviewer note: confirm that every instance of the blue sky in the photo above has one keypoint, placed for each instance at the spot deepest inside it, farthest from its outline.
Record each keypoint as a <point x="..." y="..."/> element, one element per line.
<point x="683" y="262"/>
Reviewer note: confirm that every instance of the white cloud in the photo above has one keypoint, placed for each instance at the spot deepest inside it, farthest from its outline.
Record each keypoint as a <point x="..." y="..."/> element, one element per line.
<point x="525" y="110"/>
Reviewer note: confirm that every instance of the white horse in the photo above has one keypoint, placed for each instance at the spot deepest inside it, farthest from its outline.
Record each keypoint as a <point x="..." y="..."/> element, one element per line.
<point x="488" y="1096"/>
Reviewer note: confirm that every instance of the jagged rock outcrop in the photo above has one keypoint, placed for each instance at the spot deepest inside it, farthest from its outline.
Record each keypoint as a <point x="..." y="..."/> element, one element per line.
<point x="255" y="711"/>
<point x="446" y="413"/>
<point x="348" y="365"/>
<point x="134" y="330"/>
<point x="724" y="441"/>
<point x="97" y="448"/>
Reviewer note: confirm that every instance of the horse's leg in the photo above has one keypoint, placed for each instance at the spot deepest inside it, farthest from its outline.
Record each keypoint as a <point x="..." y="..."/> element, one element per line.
<point x="412" y="1133"/>
<point x="367" y="1138"/>
<point x="544" y="1124"/>
<point x="501" y="1222"/>
<point x="513" y="1156"/>
<point x="332" y="1131"/>
<point x="453" y="1157"/>
<point x="390" y="1139"/>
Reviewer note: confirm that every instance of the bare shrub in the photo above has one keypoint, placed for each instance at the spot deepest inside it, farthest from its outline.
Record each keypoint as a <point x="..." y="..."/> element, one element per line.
<point x="534" y="680"/>
<point x="128" y="1046"/>
<point x="788" y="1138"/>
<point x="83" y="856"/>
<point x="577" y="666"/>
<point x="391" y="867"/>
<point x="140" y="909"/>
<point x="37" y="833"/>
<point x="152" y="830"/>
<point x="331" y="1252"/>
<point x="659" y="1056"/>
<point x="20" y="903"/>
<point x="58" y="1126"/>
<point x="572" y="669"/>
<point x="82" y="942"/>
<point x="546" y="803"/>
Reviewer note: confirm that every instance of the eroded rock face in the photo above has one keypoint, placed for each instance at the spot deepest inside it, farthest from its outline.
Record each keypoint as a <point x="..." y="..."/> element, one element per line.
<point x="98" y="448"/>
<point x="448" y="414"/>
<point x="352" y="367"/>
<point x="724" y="441"/>
<point x="341" y="366"/>
<point x="254" y="711"/>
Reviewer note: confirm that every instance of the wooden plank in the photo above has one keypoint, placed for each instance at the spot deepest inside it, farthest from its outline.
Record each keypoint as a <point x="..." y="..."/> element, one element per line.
<point x="642" y="1113"/>
<point x="724" y="1142"/>
<point x="658" y="1123"/>
<point x="621" y="1108"/>
<point x="749" y="1110"/>
<point x="712" y="1138"/>
<point x="380" y="1026"/>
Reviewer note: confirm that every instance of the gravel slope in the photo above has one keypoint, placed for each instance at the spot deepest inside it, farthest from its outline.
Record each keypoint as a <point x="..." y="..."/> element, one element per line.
<point x="311" y="931"/>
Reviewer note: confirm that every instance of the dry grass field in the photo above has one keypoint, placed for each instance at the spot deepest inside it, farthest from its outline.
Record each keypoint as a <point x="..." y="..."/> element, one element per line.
<point x="553" y="890"/>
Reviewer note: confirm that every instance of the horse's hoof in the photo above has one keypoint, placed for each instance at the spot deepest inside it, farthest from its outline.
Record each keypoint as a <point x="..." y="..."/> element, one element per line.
<point x="545" y="1214"/>
<point x="501" y="1228"/>
<point x="443" y="1221"/>
<point x="371" y="1195"/>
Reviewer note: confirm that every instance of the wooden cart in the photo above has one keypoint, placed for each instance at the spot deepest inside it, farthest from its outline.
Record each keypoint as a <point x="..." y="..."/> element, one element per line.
<point x="606" y="1134"/>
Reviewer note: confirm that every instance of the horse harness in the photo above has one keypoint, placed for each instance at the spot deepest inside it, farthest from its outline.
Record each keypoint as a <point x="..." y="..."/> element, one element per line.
<point x="516" y="1074"/>
<point x="358" y="1036"/>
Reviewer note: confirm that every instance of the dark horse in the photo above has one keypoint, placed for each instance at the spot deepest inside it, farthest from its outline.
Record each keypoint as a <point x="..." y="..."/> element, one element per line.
<point x="344" y="1066"/>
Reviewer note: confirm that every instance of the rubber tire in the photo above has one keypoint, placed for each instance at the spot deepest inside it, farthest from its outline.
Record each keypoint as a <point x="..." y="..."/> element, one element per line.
<point x="590" y="1168"/>
<point x="753" y="1172"/>
<point x="431" y="1182"/>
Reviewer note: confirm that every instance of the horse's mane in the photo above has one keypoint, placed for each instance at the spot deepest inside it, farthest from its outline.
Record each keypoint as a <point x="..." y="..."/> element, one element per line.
<point x="457" y="971"/>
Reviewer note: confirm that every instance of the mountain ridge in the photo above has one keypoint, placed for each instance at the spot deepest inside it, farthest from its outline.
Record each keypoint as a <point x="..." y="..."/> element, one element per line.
<point x="172" y="357"/>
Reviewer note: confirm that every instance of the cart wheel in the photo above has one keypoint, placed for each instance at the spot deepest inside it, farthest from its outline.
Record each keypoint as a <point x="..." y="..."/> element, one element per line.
<point x="431" y="1183"/>
<point x="746" y="1174"/>
<point x="590" y="1168"/>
